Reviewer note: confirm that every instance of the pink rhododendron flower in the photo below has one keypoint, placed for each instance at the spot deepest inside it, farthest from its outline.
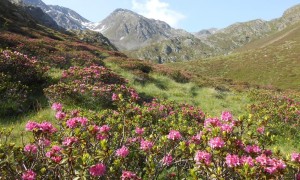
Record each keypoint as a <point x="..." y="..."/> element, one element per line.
<point x="271" y="170"/>
<point x="29" y="175"/>
<point x="115" y="97"/>
<point x="227" y="127"/>
<point x="56" y="148"/>
<point x="216" y="142"/>
<point x="122" y="152"/>
<point x="139" y="131"/>
<point x="94" y="129"/>
<point x="30" y="126"/>
<point x="261" y="130"/>
<point x="97" y="170"/>
<point x="55" y="154"/>
<point x="72" y="123"/>
<point x="253" y="149"/>
<point x="295" y="157"/>
<point x="60" y="115"/>
<point x="226" y="116"/>
<point x="101" y="137"/>
<point x="31" y="148"/>
<point x="167" y="160"/>
<point x="174" y="135"/>
<point x="247" y="160"/>
<point x="202" y="156"/>
<point x="69" y="141"/>
<point x="197" y="138"/>
<point x="44" y="142"/>
<point x="232" y="160"/>
<point x="82" y="120"/>
<point x="104" y="129"/>
<point x="47" y="127"/>
<point x="262" y="159"/>
<point x="146" y="145"/>
<point x="56" y="159"/>
<point x="126" y="175"/>
<point x="56" y="106"/>
<point x="213" y="122"/>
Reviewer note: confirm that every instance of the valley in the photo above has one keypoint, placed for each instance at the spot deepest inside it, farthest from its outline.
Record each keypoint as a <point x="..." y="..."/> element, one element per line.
<point x="134" y="98"/>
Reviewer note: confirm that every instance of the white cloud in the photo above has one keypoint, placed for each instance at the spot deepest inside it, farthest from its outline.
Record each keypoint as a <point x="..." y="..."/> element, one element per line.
<point x="156" y="9"/>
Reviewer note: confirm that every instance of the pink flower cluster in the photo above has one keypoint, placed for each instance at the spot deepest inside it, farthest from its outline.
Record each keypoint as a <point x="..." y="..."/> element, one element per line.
<point x="139" y="131"/>
<point x="146" y="145"/>
<point x="174" y="135"/>
<point x="55" y="154"/>
<point x="104" y="129"/>
<point x="31" y="148"/>
<point x="127" y="175"/>
<point x="97" y="170"/>
<point x="232" y="160"/>
<point x="68" y="141"/>
<point x="114" y="97"/>
<point x="56" y="106"/>
<point x="29" y="175"/>
<point x="252" y="149"/>
<point x="60" y="115"/>
<point x="226" y="116"/>
<point x="203" y="157"/>
<point x="216" y="143"/>
<point x="45" y="127"/>
<point x="270" y="165"/>
<point x="74" y="122"/>
<point x="167" y="160"/>
<point x="226" y="124"/>
<point x="295" y="157"/>
<point x="122" y="152"/>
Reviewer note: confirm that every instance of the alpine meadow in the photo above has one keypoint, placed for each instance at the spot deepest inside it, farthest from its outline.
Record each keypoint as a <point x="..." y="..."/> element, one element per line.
<point x="132" y="97"/>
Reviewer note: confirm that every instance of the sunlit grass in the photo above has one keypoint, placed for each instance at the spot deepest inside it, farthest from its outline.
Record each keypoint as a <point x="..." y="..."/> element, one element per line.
<point x="212" y="101"/>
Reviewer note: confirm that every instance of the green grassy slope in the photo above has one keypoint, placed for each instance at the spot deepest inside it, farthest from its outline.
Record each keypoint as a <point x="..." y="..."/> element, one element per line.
<point x="273" y="61"/>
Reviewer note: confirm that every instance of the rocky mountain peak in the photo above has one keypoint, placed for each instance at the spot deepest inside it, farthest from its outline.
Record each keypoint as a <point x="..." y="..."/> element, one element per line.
<point x="129" y="30"/>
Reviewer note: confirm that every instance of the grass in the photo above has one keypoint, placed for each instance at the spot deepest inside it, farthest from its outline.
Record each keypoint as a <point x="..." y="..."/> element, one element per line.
<point x="17" y="124"/>
<point x="212" y="101"/>
<point x="274" y="64"/>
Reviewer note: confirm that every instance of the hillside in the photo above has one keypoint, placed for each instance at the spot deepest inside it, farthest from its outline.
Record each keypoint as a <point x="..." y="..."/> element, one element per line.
<point x="217" y="42"/>
<point x="73" y="107"/>
<point x="272" y="61"/>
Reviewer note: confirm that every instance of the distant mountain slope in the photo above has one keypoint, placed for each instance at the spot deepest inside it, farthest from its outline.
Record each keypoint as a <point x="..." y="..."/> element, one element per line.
<point x="218" y="42"/>
<point x="272" y="61"/>
<point x="64" y="17"/>
<point x="129" y="30"/>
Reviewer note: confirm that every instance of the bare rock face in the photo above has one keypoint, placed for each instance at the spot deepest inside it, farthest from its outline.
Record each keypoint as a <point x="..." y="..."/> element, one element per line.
<point x="64" y="17"/>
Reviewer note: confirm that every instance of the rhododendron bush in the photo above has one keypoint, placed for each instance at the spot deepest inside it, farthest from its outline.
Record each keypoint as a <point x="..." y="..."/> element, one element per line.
<point x="153" y="140"/>
<point x="91" y="87"/>
<point x="20" y="77"/>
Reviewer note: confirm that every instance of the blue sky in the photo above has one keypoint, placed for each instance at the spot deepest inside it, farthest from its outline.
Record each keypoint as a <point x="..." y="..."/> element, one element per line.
<point x="191" y="15"/>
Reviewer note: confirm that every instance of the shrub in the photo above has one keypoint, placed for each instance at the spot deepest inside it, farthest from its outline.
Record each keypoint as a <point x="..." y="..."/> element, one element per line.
<point x="13" y="95"/>
<point x="157" y="140"/>
<point x="20" y="78"/>
<point x="89" y="87"/>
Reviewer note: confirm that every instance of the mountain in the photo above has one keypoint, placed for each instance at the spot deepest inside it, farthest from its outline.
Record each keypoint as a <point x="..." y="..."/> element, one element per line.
<point x="174" y="49"/>
<point x="205" y="32"/>
<point x="129" y="30"/>
<point x="212" y="42"/>
<point x="14" y="16"/>
<point x="64" y="17"/>
<point x="272" y="61"/>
